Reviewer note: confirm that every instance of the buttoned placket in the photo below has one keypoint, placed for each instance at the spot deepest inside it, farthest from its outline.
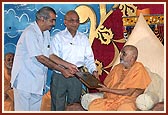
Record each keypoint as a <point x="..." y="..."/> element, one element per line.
<point x="45" y="53"/>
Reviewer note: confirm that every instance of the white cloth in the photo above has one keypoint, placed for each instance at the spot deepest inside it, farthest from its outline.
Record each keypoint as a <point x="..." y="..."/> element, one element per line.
<point x="26" y="101"/>
<point x="156" y="86"/>
<point x="76" y="50"/>
<point x="28" y="74"/>
<point x="153" y="93"/>
<point x="87" y="98"/>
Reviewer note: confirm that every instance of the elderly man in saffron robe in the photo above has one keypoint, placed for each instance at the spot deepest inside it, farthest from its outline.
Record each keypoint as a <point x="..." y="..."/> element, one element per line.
<point x="8" y="91"/>
<point x="125" y="82"/>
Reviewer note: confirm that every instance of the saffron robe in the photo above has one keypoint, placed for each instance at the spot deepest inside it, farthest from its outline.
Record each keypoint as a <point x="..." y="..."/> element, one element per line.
<point x="46" y="102"/>
<point x="8" y="92"/>
<point x="135" y="77"/>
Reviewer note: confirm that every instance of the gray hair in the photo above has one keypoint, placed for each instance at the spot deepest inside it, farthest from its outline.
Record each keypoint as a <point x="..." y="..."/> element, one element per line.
<point x="44" y="12"/>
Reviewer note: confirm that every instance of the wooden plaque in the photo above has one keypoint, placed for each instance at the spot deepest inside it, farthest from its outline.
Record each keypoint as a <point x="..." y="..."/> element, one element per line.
<point x="88" y="79"/>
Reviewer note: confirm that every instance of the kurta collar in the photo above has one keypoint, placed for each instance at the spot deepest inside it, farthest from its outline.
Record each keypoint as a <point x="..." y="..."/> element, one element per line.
<point x="68" y="33"/>
<point x="37" y="29"/>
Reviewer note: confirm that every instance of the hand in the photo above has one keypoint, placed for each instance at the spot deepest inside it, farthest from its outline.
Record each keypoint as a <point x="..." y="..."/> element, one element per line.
<point x="67" y="73"/>
<point x="95" y="73"/>
<point x="103" y="88"/>
<point x="73" y="68"/>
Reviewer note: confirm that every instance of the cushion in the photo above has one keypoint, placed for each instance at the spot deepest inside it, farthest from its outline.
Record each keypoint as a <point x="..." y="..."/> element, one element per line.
<point x="153" y="94"/>
<point x="88" y="97"/>
<point x="150" y="49"/>
<point x="156" y="86"/>
<point x="146" y="101"/>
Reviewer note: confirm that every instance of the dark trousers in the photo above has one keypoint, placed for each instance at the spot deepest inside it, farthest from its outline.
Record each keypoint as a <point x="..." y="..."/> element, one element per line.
<point x="64" y="91"/>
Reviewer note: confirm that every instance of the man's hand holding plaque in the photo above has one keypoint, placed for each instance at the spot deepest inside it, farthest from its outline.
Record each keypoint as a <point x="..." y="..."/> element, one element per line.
<point x="88" y="79"/>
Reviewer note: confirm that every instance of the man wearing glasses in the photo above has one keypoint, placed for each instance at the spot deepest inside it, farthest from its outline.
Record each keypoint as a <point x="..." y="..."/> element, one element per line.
<point x="74" y="47"/>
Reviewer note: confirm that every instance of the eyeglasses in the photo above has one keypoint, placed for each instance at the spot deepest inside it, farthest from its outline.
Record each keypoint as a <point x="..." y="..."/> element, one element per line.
<point x="72" y="20"/>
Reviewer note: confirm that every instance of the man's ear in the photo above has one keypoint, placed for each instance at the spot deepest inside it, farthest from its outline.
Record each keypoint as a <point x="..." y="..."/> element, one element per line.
<point x="65" y="22"/>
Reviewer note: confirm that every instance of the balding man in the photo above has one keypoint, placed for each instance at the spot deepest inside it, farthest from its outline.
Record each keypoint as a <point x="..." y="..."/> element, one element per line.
<point x="74" y="47"/>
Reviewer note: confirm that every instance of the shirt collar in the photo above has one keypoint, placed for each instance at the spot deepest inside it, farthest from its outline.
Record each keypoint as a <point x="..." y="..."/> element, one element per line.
<point x="68" y="33"/>
<point x="37" y="29"/>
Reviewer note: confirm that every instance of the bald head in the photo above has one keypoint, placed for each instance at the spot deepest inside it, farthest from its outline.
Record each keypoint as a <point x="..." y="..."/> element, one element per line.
<point x="132" y="49"/>
<point x="8" y="60"/>
<point x="69" y="13"/>
<point x="71" y="22"/>
<point x="128" y="56"/>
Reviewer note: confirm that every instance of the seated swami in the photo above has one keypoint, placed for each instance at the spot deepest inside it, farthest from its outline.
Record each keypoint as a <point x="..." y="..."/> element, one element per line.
<point x="125" y="82"/>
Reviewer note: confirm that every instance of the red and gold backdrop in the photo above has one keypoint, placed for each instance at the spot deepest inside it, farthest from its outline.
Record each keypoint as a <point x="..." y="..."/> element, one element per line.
<point x="107" y="37"/>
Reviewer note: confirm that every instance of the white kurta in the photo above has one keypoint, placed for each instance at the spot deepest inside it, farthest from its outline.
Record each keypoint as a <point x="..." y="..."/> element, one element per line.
<point x="28" y="74"/>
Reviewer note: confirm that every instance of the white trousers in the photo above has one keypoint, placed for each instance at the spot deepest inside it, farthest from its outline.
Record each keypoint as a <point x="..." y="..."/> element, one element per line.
<point x="25" y="101"/>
